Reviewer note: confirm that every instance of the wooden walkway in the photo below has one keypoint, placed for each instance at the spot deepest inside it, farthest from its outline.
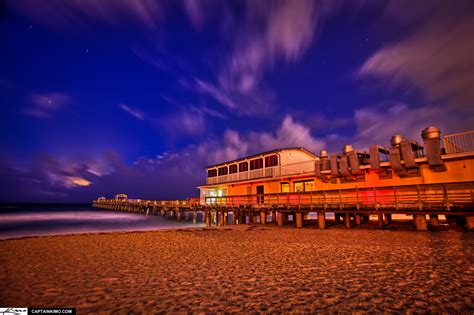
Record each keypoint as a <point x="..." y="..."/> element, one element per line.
<point x="350" y="206"/>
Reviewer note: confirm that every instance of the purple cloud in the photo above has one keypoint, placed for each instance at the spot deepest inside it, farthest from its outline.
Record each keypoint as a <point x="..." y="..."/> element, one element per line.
<point x="169" y="175"/>
<point x="46" y="105"/>
<point x="436" y="58"/>
<point x="57" y="13"/>
<point x="287" y="29"/>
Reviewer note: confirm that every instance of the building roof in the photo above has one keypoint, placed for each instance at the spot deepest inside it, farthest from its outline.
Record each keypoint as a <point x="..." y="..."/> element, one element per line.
<point x="262" y="153"/>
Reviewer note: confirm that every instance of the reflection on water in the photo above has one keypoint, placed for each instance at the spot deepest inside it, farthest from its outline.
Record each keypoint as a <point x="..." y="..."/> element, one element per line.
<point x="38" y="222"/>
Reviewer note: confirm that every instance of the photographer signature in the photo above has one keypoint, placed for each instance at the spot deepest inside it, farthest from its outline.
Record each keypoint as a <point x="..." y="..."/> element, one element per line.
<point x="14" y="311"/>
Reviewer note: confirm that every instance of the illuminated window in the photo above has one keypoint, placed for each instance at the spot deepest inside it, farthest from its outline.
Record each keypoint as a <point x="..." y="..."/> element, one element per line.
<point x="299" y="187"/>
<point x="271" y="160"/>
<point x="243" y="167"/>
<point x="285" y="187"/>
<point x="212" y="173"/>
<point x="232" y="168"/>
<point x="223" y="170"/>
<point x="307" y="185"/>
<point x="256" y="164"/>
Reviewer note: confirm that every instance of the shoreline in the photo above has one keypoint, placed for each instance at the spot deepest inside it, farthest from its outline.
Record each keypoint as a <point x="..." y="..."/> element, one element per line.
<point x="402" y="224"/>
<point x="242" y="269"/>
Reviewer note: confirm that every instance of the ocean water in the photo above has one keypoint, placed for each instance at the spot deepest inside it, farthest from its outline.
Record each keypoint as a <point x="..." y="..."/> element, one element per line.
<point x="21" y="221"/>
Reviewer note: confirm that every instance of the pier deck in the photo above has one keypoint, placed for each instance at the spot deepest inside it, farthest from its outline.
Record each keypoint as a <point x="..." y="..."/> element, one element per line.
<point x="351" y="206"/>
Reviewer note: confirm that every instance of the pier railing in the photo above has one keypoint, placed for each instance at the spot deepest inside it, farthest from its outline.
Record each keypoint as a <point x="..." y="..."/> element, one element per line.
<point x="409" y="197"/>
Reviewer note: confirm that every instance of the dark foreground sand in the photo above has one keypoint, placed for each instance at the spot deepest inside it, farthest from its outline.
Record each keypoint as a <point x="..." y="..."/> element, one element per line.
<point x="242" y="269"/>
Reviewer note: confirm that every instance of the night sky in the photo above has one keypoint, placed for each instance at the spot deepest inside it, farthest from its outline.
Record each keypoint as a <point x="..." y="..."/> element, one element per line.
<point x="137" y="97"/>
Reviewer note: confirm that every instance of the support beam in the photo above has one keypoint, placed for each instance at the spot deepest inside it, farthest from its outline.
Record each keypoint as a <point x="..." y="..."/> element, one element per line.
<point x="357" y="219"/>
<point x="147" y="210"/>
<point x="263" y="217"/>
<point x="420" y="222"/>
<point x="274" y="216"/>
<point x="221" y="218"/>
<point x="235" y="214"/>
<point x="280" y="218"/>
<point x="347" y="220"/>
<point x="434" y="220"/>
<point x="381" y="221"/>
<point x="207" y="217"/>
<point x="194" y="216"/>
<point x="214" y="217"/>
<point x="179" y="214"/>
<point x="321" y="220"/>
<point x="388" y="218"/>
<point x="186" y="215"/>
<point x="299" y="220"/>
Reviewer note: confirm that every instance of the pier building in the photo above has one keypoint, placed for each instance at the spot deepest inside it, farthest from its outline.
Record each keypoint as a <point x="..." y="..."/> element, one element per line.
<point x="423" y="180"/>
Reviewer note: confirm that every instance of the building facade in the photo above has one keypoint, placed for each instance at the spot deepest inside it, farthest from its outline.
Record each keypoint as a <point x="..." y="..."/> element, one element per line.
<point x="261" y="178"/>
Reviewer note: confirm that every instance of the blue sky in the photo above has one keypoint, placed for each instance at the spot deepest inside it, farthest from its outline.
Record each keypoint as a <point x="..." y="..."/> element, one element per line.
<point x="138" y="96"/>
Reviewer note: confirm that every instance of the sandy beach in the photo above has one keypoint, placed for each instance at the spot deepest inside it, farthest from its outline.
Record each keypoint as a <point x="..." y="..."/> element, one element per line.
<point x="242" y="269"/>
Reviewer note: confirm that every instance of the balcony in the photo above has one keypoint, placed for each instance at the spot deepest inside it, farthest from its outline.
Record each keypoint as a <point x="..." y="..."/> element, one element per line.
<point x="268" y="172"/>
<point x="459" y="142"/>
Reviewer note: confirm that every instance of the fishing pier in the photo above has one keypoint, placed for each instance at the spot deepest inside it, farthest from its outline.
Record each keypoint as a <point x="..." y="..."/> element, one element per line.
<point x="424" y="181"/>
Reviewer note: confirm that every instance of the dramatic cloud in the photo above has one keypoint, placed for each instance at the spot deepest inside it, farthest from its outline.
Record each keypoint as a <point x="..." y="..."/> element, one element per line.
<point x="134" y="112"/>
<point x="436" y="58"/>
<point x="198" y="11"/>
<point x="269" y="33"/>
<point x="169" y="175"/>
<point x="375" y="125"/>
<point x="46" y="105"/>
<point x="58" y="13"/>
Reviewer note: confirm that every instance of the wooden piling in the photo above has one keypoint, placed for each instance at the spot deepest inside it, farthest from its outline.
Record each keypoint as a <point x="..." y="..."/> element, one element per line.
<point x="381" y="221"/>
<point x="280" y="218"/>
<point x="321" y="220"/>
<point x="207" y="217"/>
<point x="147" y="210"/>
<point x="263" y="217"/>
<point x="348" y="220"/>
<point x="194" y="216"/>
<point x="388" y="218"/>
<point x="434" y="220"/>
<point x="274" y="216"/>
<point x="357" y="219"/>
<point x="235" y="214"/>
<point x="299" y="220"/>
<point x="420" y="222"/>
<point x="221" y="218"/>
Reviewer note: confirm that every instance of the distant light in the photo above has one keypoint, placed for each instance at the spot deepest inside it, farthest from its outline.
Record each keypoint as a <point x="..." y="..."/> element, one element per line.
<point x="78" y="181"/>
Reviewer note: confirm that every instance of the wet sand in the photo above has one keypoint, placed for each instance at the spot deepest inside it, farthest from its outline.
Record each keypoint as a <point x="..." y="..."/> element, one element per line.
<point x="242" y="269"/>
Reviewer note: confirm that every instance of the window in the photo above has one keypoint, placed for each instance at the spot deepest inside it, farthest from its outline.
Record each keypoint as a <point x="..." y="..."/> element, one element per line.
<point x="307" y="185"/>
<point x="271" y="160"/>
<point x="285" y="187"/>
<point x="299" y="187"/>
<point x="223" y="170"/>
<point x="243" y="167"/>
<point x="256" y="164"/>
<point x="232" y="168"/>
<point x="212" y="173"/>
